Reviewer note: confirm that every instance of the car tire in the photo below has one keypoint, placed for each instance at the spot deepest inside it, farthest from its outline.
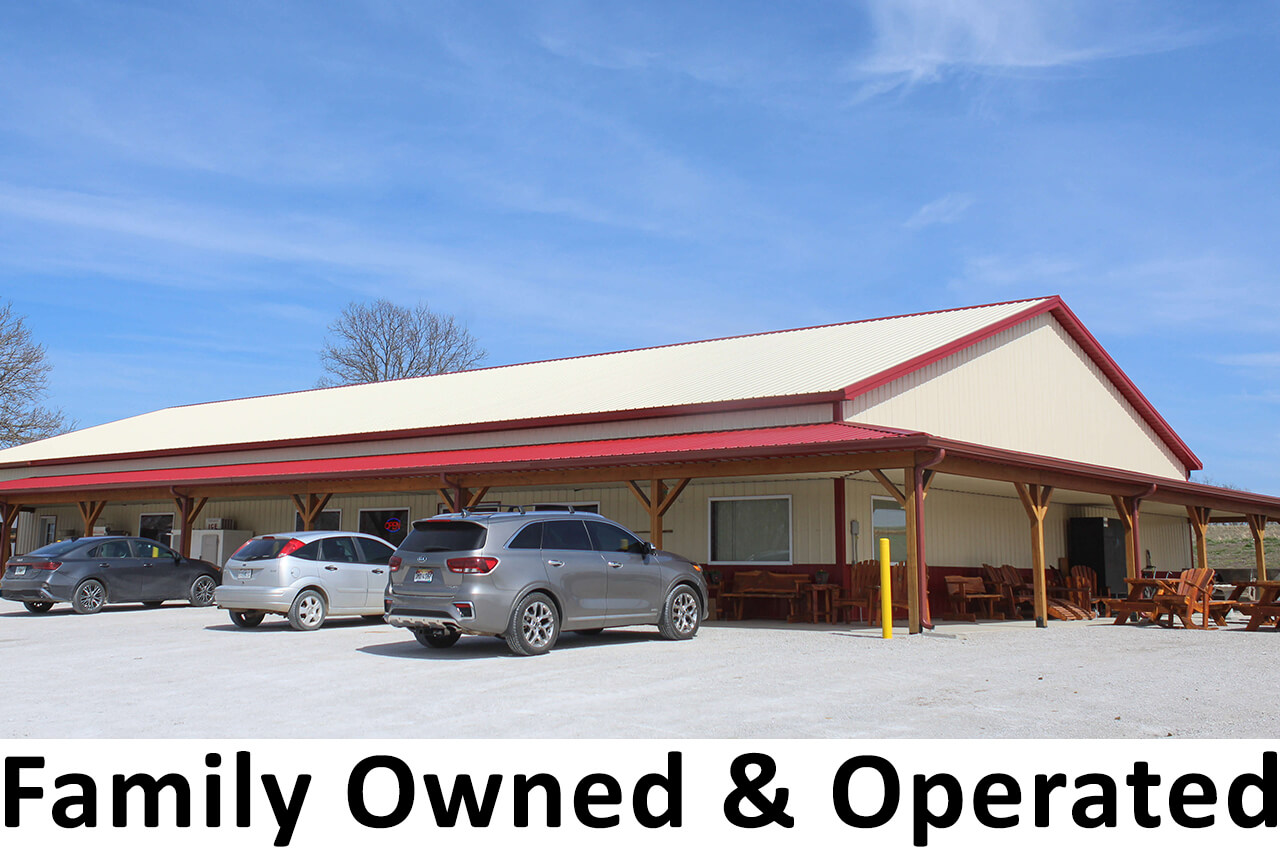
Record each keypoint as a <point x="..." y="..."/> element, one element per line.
<point x="681" y="615"/>
<point x="89" y="597"/>
<point x="38" y="606"/>
<point x="307" y="611"/>
<point x="534" y="626"/>
<point x="437" y="638"/>
<point x="202" y="591"/>
<point x="588" y="632"/>
<point x="246" y="618"/>
<point x="152" y="604"/>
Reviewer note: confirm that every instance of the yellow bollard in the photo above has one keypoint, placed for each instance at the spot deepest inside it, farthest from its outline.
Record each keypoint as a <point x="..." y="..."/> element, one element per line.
<point x="886" y="597"/>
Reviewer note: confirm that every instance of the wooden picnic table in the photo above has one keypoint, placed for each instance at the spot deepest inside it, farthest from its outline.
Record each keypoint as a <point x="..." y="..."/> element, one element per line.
<point x="1264" y="611"/>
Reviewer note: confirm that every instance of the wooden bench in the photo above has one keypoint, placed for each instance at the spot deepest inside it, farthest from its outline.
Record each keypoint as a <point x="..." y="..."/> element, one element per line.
<point x="776" y="586"/>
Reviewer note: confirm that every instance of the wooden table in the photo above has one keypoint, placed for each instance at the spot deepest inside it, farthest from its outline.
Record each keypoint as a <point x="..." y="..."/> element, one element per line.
<point x="821" y="606"/>
<point x="1264" y="611"/>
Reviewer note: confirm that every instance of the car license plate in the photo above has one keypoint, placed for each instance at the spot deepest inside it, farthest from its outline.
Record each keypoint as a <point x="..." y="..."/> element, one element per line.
<point x="244" y="574"/>
<point x="422" y="575"/>
<point x="19" y="570"/>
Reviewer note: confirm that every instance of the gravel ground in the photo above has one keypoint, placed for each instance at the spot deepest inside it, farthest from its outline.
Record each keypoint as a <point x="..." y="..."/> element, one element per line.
<point x="184" y="672"/>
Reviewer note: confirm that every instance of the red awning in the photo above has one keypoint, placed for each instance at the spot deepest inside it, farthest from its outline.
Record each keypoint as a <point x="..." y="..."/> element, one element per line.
<point x="780" y="440"/>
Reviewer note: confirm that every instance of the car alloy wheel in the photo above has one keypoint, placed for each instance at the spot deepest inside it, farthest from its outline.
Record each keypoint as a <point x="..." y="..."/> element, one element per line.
<point x="202" y="591"/>
<point x="89" y="597"/>
<point x="534" y="625"/>
<point x="681" y="614"/>
<point x="537" y="623"/>
<point x="684" y="612"/>
<point x="38" y="606"/>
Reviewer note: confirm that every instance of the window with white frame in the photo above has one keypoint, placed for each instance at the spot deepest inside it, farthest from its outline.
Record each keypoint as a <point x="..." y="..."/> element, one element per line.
<point x="889" y="521"/>
<point x="753" y="530"/>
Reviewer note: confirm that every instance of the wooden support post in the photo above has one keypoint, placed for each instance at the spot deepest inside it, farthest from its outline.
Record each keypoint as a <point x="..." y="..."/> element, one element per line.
<point x="8" y="514"/>
<point x="1257" y="526"/>
<point x="310" y="508"/>
<point x="188" y="509"/>
<point x="1035" y="500"/>
<point x="914" y="619"/>
<point x="89" y="512"/>
<point x="657" y="502"/>
<point x="1128" y="509"/>
<point x="1199" y="518"/>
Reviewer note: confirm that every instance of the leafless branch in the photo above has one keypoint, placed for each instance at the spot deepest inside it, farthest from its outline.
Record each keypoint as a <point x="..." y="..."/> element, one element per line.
<point x="24" y="374"/>
<point x="382" y="341"/>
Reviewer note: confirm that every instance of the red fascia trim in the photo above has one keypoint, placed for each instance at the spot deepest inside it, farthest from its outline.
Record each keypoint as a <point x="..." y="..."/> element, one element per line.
<point x="467" y="428"/>
<point x="827" y="439"/>
<point x="1055" y="306"/>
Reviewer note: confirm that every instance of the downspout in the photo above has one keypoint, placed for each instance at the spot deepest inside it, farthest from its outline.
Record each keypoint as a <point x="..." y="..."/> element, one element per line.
<point x="922" y="569"/>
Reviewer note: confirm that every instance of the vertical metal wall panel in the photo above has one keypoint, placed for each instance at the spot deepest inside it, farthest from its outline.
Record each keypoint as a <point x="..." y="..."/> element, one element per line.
<point x="1031" y="389"/>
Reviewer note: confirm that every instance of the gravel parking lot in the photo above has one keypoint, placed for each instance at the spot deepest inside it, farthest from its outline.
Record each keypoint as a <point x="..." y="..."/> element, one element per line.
<point x="178" y="671"/>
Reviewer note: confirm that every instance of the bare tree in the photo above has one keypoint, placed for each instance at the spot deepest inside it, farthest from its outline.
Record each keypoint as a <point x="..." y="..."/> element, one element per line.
<point x="382" y="341"/>
<point x="24" y="377"/>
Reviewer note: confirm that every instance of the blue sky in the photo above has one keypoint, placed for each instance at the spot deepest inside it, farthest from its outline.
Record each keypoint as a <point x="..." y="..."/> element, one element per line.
<point x="190" y="192"/>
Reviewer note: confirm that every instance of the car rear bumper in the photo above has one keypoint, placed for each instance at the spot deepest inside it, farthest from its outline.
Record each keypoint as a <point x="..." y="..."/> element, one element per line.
<point x="34" y="590"/>
<point x="270" y="599"/>
<point x="466" y="613"/>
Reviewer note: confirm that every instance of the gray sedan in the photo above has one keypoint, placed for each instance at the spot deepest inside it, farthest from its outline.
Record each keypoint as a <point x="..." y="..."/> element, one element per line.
<point x="92" y="572"/>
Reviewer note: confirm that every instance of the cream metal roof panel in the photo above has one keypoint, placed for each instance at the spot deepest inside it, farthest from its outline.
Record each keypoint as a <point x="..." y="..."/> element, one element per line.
<point x="766" y="365"/>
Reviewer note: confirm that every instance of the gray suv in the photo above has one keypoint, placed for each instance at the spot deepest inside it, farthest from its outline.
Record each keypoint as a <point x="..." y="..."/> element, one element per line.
<point x="525" y="576"/>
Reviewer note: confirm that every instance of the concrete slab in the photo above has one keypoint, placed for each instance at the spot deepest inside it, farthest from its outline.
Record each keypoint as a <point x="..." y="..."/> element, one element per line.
<point x="178" y="671"/>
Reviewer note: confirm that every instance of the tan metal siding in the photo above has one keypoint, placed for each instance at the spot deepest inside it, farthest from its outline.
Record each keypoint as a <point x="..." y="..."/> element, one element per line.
<point x="1031" y="389"/>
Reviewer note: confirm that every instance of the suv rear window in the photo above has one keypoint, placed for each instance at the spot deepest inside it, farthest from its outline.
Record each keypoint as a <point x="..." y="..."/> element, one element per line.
<point x="444" y="537"/>
<point x="260" y="549"/>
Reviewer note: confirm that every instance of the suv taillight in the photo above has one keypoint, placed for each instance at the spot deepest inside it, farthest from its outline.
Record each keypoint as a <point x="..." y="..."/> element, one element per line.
<point x="394" y="565"/>
<point x="472" y="564"/>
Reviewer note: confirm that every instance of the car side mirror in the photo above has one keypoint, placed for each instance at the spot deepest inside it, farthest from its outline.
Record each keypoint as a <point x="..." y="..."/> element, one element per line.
<point x="649" y="548"/>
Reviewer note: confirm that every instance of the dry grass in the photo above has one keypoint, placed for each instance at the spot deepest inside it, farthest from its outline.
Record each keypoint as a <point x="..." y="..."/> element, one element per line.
<point x="1231" y="546"/>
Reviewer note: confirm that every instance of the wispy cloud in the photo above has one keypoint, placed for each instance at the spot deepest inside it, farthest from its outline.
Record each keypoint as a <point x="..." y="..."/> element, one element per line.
<point x="922" y="41"/>
<point x="944" y="209"/>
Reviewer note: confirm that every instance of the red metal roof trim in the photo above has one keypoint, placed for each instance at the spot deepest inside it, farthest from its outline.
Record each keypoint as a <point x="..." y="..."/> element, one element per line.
<point x="771" y="441"/>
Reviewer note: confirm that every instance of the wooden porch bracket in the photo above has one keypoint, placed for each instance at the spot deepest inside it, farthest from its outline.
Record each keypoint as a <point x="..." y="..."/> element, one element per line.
<point x="462" y="497"/>
<point x="1035" y="500"/>
<point x="188" y="508"/>
<point x="89" y="512"/>
<point x="1257" y="526"/>
<point x="888" y="486"/>
<point x="310" y="508"/>
<point x="1198" y="516"/>
<point x="657" y="502"/>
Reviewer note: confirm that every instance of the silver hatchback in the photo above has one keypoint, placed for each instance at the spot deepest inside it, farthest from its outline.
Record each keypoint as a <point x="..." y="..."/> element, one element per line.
<point x="305" y="577"/>
<point x="525" y="576"/>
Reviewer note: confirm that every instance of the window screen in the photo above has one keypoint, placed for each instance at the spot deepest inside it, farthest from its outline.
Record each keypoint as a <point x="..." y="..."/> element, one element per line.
<point x="751" y="530"/>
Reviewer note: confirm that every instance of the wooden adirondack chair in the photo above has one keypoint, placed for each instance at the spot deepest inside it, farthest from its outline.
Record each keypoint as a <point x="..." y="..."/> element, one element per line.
<point x="1079" y="587"/>
<point x="1014" y="591"/>
<point x="864" y="589"/>
<point x="1190" y="594"/>
<point x="898" y="591"/>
